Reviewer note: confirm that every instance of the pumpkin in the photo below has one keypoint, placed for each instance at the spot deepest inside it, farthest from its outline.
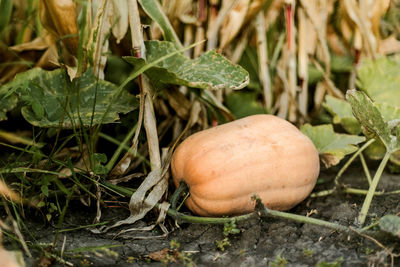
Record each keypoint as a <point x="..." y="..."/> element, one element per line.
<point x="261" y="155"/>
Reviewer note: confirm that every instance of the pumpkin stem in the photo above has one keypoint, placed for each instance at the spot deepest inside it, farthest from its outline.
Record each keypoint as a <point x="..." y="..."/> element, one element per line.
<point x="183" y="187"/>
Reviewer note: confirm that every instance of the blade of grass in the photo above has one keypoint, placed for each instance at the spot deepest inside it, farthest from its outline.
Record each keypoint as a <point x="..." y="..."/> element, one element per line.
<point x="24" y="169"/>
<point x="121" y="146"/>
<point x="125" y="147"/>
<point x="6" y="7"/>
<point x="85" y="249"/>
<point x="83" y="227"/>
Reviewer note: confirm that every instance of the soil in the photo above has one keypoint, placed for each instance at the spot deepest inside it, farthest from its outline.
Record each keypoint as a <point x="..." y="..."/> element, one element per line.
<point x="260" y="242"/>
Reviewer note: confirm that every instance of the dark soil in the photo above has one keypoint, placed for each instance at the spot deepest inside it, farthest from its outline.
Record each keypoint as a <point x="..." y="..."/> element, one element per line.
<point x="261" y="242"/>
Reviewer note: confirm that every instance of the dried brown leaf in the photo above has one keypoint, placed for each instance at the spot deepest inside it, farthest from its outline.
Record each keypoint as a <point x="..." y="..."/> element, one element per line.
<point x="120" y="19"/>
<point x="329" y="160"/>
<point x="274" y="11"/>
<point x="40" y="43"/>
<point x="60" y="19"/>
<point x="233" y="21"/>
<point x="389" y="45"/>
<point x="377" y="11"/>
<point x="11" y="258"/>
<point x="81" y="165"/>
<point x="215" y="23"/>
<point x="8" y="194"/>
<point x="165" y="255"/>
<point x="178" y="102"/>
<point x="254" y="8"/>
<point x="179" y="10"/>
<point x="335" y="43"/>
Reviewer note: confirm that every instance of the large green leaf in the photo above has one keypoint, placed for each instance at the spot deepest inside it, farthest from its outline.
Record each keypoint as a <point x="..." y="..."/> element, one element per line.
<point x="380" y="79"/>
<point x="342" y="114"/>
<point x="51" y="100"/>
<point x="371" y="118"/>
<point x="331" y="146"/>
<point x="209" y="71"/>
<point x="6" y="102"/>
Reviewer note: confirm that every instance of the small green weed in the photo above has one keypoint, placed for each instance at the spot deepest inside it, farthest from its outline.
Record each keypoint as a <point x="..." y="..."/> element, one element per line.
<point x="336" y="263"/>
<point x="231" y="228"/>
<point x="222" y="244"/>
<point x="279" y="261"/>
<point x="308" y="252"/>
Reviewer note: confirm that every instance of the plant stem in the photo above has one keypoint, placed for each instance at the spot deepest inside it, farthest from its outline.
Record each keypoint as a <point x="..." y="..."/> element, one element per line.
<point x="303" y="219"/>
<point x="178" y="192"/>
<point x="345" y="166"/>
<point x="366" y="170"/>
<point x="323" y="193"/>
<point x="368" y="199"/>
<point x="208" y="220"/>
<point x="342" y="170"/>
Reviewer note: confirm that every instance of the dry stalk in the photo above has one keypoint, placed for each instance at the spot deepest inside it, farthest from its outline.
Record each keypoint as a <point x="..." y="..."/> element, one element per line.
<point x="241" y="45"/>
<point x="332" y="89"/>
<point x="360" y="18"/>
<point x="212" y="32"/>
<point x="291" y="57"/>
<point x="98" y="42"/>
<point x="263" y="59"/>
<point x="321" y="32"/>
<point x="303" y="62"/>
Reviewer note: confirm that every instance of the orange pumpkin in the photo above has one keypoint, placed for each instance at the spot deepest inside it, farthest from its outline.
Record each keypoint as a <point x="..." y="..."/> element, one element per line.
<point x="259" y="155"/>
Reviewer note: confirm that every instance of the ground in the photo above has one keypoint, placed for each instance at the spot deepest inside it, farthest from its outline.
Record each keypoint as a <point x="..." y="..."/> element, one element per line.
<point x="260" y="242"/>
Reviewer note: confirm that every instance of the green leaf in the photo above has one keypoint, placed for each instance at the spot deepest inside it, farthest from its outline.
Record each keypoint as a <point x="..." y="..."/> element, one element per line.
<point x="314" y="75"/>
<point x="209" y="98"/>
<point x="369" y="116"/>
<point x="243" y="104"/>
<point x="7" y="103"/>
<point x="100" y="157"/>
<point x="376" y="150"/>
<point x="342" y="114"/>
<point x="37" y="109"/>
<point x="209" y="71"/>
<point x="380" y="79"/>
<point x="249" y="61"/>
<point x="331" y="146"/>
<point x="341" y="63"/>
<point x="51" y="100"/>
<point x="45" y="190"/>
<point x="390" y="224"/>
<point x="155" y="12"/>
<point x="100" y="169"/>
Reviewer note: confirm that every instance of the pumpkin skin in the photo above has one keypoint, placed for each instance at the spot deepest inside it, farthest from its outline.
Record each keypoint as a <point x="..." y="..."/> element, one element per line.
<point x="261" y="155"/>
